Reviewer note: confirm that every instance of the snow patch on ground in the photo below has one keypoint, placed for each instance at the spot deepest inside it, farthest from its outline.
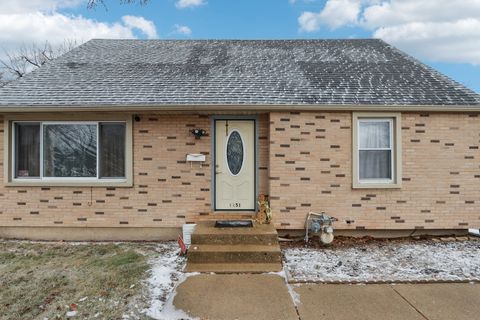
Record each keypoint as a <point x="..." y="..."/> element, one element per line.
<point x="295" y="296"/>
<point x="411" y="261"/>
<point x="169" y="311"/>
<point x="279" y="273"/>
<point x="165" y="275"/>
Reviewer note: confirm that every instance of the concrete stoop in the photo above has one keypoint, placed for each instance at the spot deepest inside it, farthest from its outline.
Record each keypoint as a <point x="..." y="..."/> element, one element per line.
<point x="234" y="250"/>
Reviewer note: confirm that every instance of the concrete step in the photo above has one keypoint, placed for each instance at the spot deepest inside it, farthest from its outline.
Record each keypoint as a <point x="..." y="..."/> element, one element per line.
<point x="235" y="238"/>
<point x="205" y="233"/>
<point x="241" y="253"/>
<point x="233" y="267"/>
<point x="219" y="215"/>
<point x="234" y="250"/>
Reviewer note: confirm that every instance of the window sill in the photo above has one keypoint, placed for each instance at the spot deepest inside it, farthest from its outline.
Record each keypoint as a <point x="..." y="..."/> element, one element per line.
<point x="100" y="184"/>
<point x="357" y="185"/>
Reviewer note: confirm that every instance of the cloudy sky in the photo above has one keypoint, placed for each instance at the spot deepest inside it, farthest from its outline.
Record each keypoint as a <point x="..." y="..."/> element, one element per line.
<point x="442" y="33"/>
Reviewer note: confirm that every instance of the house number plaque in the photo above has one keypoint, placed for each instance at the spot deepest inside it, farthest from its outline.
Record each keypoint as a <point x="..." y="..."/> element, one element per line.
<point x="235" y="205"/>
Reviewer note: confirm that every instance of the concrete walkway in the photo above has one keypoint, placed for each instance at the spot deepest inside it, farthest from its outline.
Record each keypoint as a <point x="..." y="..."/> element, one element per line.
<point x="266" y="296"/>
<point x="231" y="296"/>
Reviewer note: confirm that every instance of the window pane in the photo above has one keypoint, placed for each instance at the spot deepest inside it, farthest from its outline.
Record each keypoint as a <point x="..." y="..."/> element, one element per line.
<point x="375" y="164"/>
<point x="375" y="134"/>
<point x="112" y="150"/>
<point x="70" y="150"/>
<point x="27" y="150"/>
<point x="234" y="152"/>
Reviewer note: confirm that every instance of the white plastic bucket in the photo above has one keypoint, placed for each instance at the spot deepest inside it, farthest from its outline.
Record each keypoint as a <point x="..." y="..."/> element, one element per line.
<point x="187" y="233"/>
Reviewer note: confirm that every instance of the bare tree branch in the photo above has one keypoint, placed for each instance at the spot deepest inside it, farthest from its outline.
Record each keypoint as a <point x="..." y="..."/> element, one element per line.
<point x="25" y="59"/>
<point x="94" y="3"/>
<point x="2" y="81"/>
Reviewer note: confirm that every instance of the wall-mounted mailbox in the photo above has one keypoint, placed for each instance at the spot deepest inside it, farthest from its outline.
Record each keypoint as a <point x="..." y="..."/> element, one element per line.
<point x="195" y="157"/>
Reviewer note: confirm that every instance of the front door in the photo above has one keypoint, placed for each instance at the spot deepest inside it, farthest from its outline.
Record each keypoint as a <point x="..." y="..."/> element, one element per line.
<point x="235" y="165"/>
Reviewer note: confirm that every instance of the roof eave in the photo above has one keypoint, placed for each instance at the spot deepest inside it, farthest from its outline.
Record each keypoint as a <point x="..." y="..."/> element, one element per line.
<point x="236" y="107"/>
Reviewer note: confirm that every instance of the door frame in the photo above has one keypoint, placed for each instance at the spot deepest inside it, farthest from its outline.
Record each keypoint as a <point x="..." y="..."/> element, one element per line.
<point x="213" y="192"/>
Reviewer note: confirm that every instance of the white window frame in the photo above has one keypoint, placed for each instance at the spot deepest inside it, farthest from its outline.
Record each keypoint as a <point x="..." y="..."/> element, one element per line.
<point x="390" y="122"/>
<point x="395" y="148"/>
<point x="67" y="181"/>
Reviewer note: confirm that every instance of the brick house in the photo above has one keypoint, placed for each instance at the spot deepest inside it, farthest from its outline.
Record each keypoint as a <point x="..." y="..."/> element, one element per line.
<point x="100" y="143"/>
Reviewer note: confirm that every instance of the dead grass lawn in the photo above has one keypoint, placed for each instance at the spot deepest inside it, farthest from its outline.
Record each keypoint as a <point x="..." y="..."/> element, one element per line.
<point x="47" y="280"/>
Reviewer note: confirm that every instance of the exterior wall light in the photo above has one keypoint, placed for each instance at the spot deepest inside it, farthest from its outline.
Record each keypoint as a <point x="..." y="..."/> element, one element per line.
<point x="198" y="133"/>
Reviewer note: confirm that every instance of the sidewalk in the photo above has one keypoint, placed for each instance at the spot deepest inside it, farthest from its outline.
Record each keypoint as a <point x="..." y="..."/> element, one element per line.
<point x="266" y="296"/>
<point x="403" y="301"/>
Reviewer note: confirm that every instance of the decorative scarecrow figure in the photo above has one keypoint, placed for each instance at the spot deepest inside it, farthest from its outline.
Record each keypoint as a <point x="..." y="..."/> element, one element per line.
<point x="264" y="214"/>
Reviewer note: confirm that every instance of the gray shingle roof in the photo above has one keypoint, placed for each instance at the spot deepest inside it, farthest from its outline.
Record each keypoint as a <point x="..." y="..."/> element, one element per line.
<point x="235" y="72"/>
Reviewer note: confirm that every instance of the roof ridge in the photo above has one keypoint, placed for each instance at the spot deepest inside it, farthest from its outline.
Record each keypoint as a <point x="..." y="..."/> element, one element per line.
<point x="234" y="40"/>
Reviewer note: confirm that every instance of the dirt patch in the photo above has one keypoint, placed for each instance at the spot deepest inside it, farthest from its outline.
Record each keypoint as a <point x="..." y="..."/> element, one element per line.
<point x="347" y="242"/>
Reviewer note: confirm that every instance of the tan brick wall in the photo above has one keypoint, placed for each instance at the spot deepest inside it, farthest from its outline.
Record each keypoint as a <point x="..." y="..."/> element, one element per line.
<point x="308" y="159"/>
<point x="167" y="191"/>
<point x="311" y="169"/>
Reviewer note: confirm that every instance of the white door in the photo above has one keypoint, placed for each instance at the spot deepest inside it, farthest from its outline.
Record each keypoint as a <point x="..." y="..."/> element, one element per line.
<point x="234" y="165"/>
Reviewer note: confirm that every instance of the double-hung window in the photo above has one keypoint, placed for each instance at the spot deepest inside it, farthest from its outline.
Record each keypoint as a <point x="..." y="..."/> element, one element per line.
<point x="88" y="151"/>
<point x="376" y="151"/>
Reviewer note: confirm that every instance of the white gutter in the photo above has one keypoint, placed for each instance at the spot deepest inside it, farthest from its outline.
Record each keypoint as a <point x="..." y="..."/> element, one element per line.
<point x="237" y="108"/>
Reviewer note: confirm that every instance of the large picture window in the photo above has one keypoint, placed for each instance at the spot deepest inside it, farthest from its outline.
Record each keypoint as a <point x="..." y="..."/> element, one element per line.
<point x="69" y="150"/>
<point x="376" y="150"/>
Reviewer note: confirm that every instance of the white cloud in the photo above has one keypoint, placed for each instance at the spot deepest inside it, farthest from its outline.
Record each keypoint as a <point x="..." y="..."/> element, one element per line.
<point x="147" y="27"/>
<point x="56" y="27"/>
<point x="438" y="30"/>
<point x="457" y="41"/>
<point x="181" y="4"/>
<point x="335" y="14"/>
<point x="37" y="21"/>
<point x="25" y="6"/>
<point x="292" y="2"/>
<point x="185" y="30"/>
<point x="309" y="21"/>
<point x="398" y="12"/>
